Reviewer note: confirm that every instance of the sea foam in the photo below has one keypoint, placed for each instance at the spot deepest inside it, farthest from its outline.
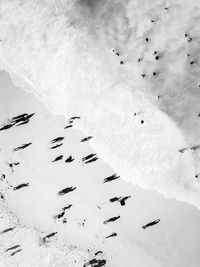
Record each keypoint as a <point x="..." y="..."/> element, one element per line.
<point x="96" y="59"/>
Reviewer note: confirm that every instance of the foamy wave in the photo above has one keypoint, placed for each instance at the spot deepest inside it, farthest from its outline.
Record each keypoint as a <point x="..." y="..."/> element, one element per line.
<point x="63" y="52"/>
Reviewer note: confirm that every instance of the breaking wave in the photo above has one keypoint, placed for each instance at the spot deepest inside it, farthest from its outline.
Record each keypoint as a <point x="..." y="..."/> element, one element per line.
<point x="125" y="68"/>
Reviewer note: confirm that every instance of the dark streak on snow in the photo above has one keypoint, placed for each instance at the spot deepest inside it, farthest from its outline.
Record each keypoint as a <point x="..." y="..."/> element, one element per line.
<point x="66" y="190"/>
<point x="123" y="200"/>
<point x="111" y="178"/>
<point x="57" y="139"/>
<point x="57" y="158"/>
<point x="24" y="115"/>
<point x="95" y="263"/>
<point x="112" y="235"/>
<point x="11" y="248"/>
<point x="44" y="239"/>
<point x="90" y="158"/>
<point x="53" y="147"/>
<point x="182" y="150"/>
<point x="86" y="138"/>
<point x="74" y="118"/>
<point x="68" y="126"/>
<point x="114" y="199"/>
<point x="69" y="159"/>
<point x="11" y="165"/>
<point x="61" y="214"/>
<point x="24" y="120"/>
<point x="5" y="127"/>
<point x="17" y="251"/>
<point x="2" y="177"/>
<point x="195" y="147"/>
<point x="7" y="230"/>
<point x="120" y="199"/>
<point x="22" y="146"/>
<point x="1" y="196"/>
<point x="189" y="39"/>
<point x="20" y="186"/>
<point x="151" y="224"/>
<point x="22" y="123"/>
<point x="98" y="252"/>
<point x="18" y="120"/>
<point x="111" y="219"/>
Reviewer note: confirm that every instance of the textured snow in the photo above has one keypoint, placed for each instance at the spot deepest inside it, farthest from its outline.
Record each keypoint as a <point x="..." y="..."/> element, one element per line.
<point x="62" y="51"/>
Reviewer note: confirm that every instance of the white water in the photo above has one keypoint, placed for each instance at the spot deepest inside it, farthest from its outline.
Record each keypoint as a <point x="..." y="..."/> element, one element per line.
<point x="63" y="53"/>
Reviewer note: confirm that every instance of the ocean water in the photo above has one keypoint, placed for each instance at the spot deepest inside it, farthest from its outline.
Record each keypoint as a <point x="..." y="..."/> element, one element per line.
<point x="97" y="60"/>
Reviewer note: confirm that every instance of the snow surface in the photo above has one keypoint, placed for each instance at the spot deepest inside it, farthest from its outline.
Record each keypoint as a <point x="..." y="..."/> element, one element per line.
<point x="31" y="211"/>
<point x="63" y="52"/>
